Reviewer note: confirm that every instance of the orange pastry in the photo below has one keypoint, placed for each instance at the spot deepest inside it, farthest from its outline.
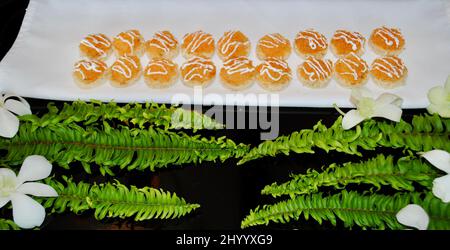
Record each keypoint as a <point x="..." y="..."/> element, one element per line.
<point x="346" y="42"/>
<point x="387" y="41"/>
<point x="198" y="71"/>
<point x="273" y="45"/>
<point x="125" y="71"/>
<point x="315" y="73"/>
<point x="310" y="43"/>
<point x="89" y="73"/>
<point x="161" y="73"/>
<point x="233" y="44"/>
<point x="389" y="72"/>
<point x="199" y="44"/>
<point x="351" y="71"/>
<point x="129" y="42"/>
<point x="95" y="46"/>
<point x="237" y="73"/>
<point x="162" y="45"/>
<point x="273" y="74"/>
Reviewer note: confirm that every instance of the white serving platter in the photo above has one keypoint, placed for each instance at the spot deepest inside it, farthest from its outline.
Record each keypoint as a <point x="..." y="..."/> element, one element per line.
<point x="40" y="62"/>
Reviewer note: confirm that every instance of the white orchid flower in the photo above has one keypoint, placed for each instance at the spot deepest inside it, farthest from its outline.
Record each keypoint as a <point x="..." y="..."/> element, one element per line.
<point x="9" y="123"/>
<point x="441" y="185"/>
<point x="413" y="216"/>
<point x="386" y="105"/>
<point x="439" y="98"/>
<point x="27" y="213"/>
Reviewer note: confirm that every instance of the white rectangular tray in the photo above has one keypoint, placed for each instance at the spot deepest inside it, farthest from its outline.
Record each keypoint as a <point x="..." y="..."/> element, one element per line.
<point x="40" y="63"/>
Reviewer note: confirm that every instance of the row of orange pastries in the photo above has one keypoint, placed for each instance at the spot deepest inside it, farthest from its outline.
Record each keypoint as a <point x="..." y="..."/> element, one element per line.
<point x="238" y="71"/>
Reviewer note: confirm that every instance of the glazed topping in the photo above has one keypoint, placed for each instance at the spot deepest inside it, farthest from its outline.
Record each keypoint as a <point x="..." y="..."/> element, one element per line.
<point x="127" y="66"/>
<point x="230" y="43"/>
<point x="193" y="41"/>
<point x="354" y="66"/>
<point x="392" y="38"/>
<point x="163" y="40"/>
<point x="273" y="41"/>
<point x="274" y="69"/>
<point x="240" y="65"/>
<point x="317" y="69"/>
<point x="353" y="40"/>
<point x="315" y="40"/>
<point x="131" y="38"/>
<point x="199" y="69"/>
<point x="98" y="43"/>
<point x="389" y="67"/>
<point x="90" y="70"/>
<point x="160" y="67"/>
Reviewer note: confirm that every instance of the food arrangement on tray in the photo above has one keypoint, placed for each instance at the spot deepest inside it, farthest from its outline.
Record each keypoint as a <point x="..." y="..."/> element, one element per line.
<point x="238" y="71"/>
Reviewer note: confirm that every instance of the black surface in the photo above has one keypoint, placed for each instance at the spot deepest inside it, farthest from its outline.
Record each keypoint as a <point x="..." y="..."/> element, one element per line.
<point x="225" y="191"/>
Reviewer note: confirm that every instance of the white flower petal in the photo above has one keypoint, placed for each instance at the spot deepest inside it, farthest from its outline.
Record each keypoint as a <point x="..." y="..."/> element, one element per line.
<point x="358" y="93"/>
<point x="388" y="111"/>
<point x="351" y="119"/>
<point x="37" y="189"/>
<point x="443" y="110"/>
<point x="387" y="98"/>
<point x="9" y="123"/>
<point x="21" y="99"/>
<point x="4" y="201"/>
<point x="441" y="188"/>
<point x="27" y="213"/>
<point x="34" y="167"/>
<point x="437" y="95"/>
<point x="438" y="158"/>
<point x="413" y="216"/>
<point x="17" y="107"/>
<point x="7" y="173"/>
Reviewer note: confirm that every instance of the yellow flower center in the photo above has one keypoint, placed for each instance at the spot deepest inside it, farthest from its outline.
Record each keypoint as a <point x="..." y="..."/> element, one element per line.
<point x="366" y="107"/>
<point x="7" y="186"/>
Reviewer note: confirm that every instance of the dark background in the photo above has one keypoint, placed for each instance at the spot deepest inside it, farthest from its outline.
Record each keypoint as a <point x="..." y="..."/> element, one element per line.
<point x="226" y="192"/>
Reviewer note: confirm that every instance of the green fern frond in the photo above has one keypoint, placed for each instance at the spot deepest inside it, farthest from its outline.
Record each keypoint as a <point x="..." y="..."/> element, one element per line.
<point x="370" y="211"/>
<point x="379" y="171"/>
<point x="6" y="224"/>
<point x="140" y="115"/>
<point x="108" y="147"/>
<point x="114" y="200"/>
<point x="424" y="133"/>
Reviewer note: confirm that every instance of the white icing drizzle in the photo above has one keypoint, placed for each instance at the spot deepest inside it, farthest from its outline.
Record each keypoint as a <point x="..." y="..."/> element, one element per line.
<point x="122" y="68"/>
<point x="273" y="41"/>
<point x="353" y="66"/>
<point x="94" y="40"/>
<point x="197" y="63"/>
<point x="199" y="38"/>
<point x="228" y="46"/>
<point x="390" y="36"/>
<point x="239" y="65"/>
<point x="314" y="38"/>
<point x="163" y="41"/>
<point x="132" y="37"/>
<point x="318" y="70"/>
<point x="162" y="65"/>
<point x="275" y="74"/>
<point x="352" y="38"/>
<point x="392" y="67"/>
<point x="88" y="66"/>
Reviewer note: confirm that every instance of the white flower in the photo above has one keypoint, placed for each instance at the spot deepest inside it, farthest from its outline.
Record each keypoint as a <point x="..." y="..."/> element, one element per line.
<point x="386" y="105"/>
<point x="9" y="123"/>
<point x="440" y="99"/>
<point x="441" y="186"/>
<point x="27" y="213"/>
<point x="413" y="216"/>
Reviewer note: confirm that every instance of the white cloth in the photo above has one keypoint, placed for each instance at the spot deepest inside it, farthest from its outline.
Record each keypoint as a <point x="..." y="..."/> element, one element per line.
<point x="41" y="60"/>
